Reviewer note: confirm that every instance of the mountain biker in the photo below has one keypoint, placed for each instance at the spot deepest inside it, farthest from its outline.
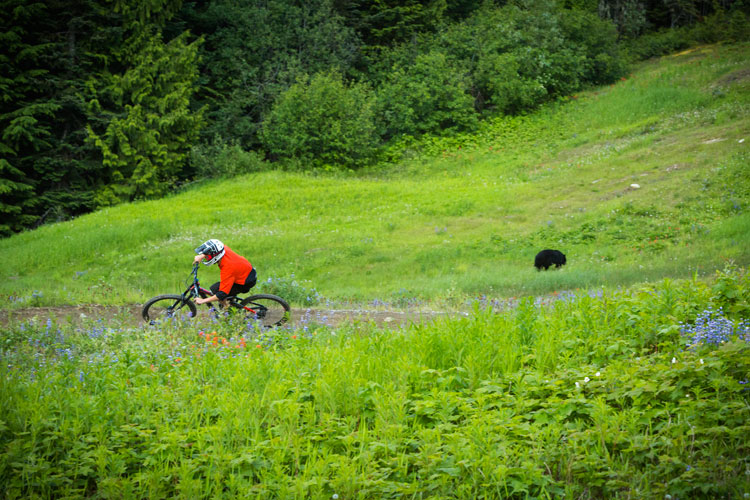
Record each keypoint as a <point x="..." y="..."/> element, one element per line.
<point x="236" y="274"/>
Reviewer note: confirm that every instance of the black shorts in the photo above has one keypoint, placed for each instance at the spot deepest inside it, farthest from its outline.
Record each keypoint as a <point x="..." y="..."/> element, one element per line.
<point x="236" y="288"/>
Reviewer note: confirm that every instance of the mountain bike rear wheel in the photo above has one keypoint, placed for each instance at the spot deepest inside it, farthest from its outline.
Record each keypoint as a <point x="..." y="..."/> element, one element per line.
<point x="268" y="310"/>
<point x="168" y="307"/>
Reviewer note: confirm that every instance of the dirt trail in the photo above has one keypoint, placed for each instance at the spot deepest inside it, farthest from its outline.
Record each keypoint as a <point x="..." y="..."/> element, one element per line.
<point x="300" y="317"/>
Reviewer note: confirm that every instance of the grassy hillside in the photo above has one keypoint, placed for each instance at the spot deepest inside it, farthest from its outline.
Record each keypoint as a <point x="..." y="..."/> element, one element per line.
<point x="452" y="218"/>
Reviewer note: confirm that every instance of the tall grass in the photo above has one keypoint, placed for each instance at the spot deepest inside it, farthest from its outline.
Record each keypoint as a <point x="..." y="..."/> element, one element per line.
<point x="595" y="396"/>
<point x="453" y="217"/>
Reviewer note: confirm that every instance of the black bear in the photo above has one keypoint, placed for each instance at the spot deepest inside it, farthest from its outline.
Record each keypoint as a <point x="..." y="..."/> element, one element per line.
<point x="546" y="258"/>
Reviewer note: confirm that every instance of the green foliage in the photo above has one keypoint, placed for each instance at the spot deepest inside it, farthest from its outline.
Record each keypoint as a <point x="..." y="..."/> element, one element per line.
<point x="104" y="99"/>
<point x="390" y="22"/>
<point x="53" y="49"/>
<point x="254" y="51"/>
<point x="224" y="160"/>
<point x="595" y="397"/>
<point x="518" y="57"/>
<point x="596" y="39"/>
<point x="26" y="112"/>
<point x="628" y="15"/>
<point x="148" y="125"/>
<point x="322" y="121"/>
<point x="427" y="96"/>
<point x="722" y="25"/>
<point x="731" y="291"/>
<point x="16" y="199"/>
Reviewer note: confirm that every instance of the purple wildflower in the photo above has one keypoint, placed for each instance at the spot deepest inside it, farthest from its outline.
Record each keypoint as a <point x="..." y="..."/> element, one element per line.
<point x="713" y="328"/>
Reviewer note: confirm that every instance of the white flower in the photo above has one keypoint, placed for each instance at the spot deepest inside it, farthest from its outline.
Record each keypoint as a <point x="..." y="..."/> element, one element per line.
<point x="701" y="360"/>
<point x="578" y="385"/>
<point x="586" y="379"/>
<point x="598" y="374"/>
<point x="674" y="360"/>
<point x="335" y="496"/>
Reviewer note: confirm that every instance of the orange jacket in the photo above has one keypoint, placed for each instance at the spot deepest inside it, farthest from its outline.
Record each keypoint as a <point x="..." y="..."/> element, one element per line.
<point x="233" y="268"/>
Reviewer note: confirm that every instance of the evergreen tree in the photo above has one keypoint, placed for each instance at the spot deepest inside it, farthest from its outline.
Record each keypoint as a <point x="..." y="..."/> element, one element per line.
<point x="139" y="107"/>
<point x="255" y="50"/>
<point x="24" y="111"/>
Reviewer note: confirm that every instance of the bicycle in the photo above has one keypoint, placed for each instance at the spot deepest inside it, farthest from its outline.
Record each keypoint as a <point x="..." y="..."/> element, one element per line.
<point x="266" y="309"/>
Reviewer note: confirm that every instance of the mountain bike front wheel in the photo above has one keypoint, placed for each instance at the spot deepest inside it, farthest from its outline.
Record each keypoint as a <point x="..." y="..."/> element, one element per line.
<point x="168" y="307"/>
<point x="268" y="310"/>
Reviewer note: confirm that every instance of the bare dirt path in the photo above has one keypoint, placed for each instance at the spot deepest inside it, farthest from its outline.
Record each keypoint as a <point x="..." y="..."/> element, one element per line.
<point x="300" y="317"/>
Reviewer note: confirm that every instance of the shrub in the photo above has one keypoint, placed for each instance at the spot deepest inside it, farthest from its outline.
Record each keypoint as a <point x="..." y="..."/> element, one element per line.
<point x="429" y="96"/>
<point x="658" y="43"/>
<point x="222" y="159"/>
<point x="497" y="76"/>
<point x="596" y="41"/>
<point x="323" y="121"/>
<point x="518" y="57"/>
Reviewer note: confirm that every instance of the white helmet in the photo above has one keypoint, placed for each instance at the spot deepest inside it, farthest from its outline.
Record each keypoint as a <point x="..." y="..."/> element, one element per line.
<point x="213" y="250"/>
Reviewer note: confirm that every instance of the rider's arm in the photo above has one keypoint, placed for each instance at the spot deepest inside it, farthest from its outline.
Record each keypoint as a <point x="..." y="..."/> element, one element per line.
<point x="212" y="298"/>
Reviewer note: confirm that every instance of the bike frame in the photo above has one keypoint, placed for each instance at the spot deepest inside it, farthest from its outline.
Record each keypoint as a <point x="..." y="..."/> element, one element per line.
<point x="196" y="290"/>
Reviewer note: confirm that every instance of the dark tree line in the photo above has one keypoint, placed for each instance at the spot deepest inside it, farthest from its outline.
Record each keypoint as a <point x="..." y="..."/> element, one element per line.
<point x="105" y="101"/>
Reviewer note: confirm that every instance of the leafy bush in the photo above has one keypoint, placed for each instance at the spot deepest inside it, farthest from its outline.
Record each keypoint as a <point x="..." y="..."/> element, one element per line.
<point x="596" y="41"/>
<point x="733" y="25"/>
<point x="658" y="43"/>
<point x="517" y="57"/>
<point x="322" y="121"/>
<point x="428" y="96"/>
<point x="221" y="159"/>
<point x="732" y="291"/>
<point x="506" y="91"/>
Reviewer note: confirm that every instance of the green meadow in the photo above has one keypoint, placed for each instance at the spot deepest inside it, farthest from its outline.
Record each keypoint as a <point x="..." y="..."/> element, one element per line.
<point x="442" y="219"/>
<point x="623" y="375"/>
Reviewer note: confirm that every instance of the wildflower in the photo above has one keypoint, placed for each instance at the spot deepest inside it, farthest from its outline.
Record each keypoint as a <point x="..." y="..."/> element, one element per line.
<point x="701" y="360"/>
<point x="586" y="379"/>
<point x="598" y="374"/>
<point x="578" y="385"/>
<point x="711" y="328"/>
<point x="335" y="496"/>
<point x="674" y="360"/>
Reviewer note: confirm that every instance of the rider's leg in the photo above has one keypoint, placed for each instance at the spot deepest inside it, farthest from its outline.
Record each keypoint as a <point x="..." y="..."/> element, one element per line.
<point x="215" y="289"/>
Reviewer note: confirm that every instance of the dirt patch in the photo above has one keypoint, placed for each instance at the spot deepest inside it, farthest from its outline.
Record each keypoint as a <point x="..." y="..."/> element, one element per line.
<point x="735" y="77"/>
<point x="131" y="315"/>
<point x="72" y="314"/>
